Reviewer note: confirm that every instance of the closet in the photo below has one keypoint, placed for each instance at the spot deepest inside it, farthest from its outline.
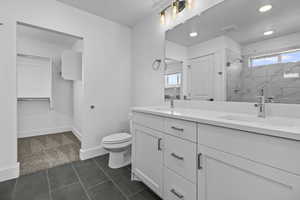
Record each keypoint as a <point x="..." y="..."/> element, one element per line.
<point x="49" y="92"/>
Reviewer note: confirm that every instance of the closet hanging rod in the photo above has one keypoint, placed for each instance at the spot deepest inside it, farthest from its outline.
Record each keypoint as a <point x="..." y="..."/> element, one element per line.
<point x="34" y="99"/>
<point x="33" y="56"/>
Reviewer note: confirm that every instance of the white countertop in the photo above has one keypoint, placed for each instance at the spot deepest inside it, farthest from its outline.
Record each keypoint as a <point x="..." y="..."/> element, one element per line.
<point x="274" y="126"/>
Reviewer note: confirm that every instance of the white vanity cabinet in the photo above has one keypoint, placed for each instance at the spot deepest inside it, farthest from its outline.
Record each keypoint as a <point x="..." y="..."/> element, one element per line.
<point x="224" y="176"/>
<point x="238" y="165"/>
<point x="164" y="154"/>
<point x="189" y="160"/>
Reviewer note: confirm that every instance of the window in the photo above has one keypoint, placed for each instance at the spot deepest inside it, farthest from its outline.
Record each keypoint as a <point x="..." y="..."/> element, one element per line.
<point x="173" y="80"/>
<point x="282" y="57"/>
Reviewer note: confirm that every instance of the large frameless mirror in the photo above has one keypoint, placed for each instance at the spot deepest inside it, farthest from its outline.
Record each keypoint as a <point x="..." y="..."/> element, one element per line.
<point x="235" y="50"/>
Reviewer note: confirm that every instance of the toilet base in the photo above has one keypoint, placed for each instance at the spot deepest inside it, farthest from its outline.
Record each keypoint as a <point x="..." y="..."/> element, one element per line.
<point x="119" y="159"/>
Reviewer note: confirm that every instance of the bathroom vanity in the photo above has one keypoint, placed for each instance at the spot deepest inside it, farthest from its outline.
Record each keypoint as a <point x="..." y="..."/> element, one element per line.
<point x="208" y="155"/>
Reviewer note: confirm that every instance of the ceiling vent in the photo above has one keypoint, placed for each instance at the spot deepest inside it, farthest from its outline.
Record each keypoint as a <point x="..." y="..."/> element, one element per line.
<point x="229" y="29"/>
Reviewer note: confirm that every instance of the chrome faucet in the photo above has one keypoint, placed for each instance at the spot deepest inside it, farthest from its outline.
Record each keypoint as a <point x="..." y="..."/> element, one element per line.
<point x="172" y="103"/>
<point x="173" y="97"/>
<point x="261" y="104"/>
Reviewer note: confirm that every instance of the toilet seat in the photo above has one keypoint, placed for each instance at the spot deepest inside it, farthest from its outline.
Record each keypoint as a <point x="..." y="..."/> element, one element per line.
<point x="117" y="138"/>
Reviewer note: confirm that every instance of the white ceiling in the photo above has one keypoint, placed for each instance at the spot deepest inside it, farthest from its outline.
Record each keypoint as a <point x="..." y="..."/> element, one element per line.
<point x="126" y="12"/>
<point x="244" y="17"/>
<point x="45" y="35"/>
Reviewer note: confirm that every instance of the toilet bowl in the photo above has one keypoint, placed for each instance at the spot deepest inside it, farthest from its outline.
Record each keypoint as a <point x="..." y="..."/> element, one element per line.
<point x="119" y="147"/>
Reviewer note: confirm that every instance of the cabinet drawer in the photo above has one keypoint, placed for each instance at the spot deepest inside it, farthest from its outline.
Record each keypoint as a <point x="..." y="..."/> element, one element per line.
<point x="180" y="156"/>
<point x="178" y="188"/>
<point x="148" y="120"/>
<point x="180" y="128"/>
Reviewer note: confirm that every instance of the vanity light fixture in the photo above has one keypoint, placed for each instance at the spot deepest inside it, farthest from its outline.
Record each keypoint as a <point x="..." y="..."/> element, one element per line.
<point x="265" y="8"/>
<point x="271" y="32"/>
<point x="189" y="4"/>
<point x="163" y="17"/>
<point x="176" y="7"/>
<point x="193" y="34"/>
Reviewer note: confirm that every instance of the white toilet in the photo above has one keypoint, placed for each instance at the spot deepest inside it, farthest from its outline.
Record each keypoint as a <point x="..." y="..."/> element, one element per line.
<point x="119" y="147"/>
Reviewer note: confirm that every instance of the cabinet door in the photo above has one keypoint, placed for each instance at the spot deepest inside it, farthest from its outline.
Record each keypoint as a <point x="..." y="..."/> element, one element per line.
<point x="71" y="62"/>
<point x="223" y="176"/>
<point x="148" y="157"/>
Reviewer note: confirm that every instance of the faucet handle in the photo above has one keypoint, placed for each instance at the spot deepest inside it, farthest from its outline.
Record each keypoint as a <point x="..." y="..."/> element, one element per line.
<point x="262" y="92"/>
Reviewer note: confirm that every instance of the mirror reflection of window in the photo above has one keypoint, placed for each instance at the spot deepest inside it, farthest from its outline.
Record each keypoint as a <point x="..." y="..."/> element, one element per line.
<point x="173" y="80"/>
<point x="291" y="56"/>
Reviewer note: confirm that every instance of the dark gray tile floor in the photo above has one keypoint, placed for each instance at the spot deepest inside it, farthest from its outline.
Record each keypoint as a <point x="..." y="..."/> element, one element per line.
<point x="82" y="180"/>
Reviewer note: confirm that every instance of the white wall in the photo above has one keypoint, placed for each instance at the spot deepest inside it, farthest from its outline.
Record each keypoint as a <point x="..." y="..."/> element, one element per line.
<point x="107" y="72"/>
<point x="36" y="117"/>
<point x="176" y="51"/>
<point x="148" y="44"/>
<point x="78" y="97"/>
<point x="9" y="167"/>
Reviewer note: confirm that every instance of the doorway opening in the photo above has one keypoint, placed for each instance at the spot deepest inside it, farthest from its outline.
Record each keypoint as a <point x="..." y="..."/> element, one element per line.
<point x="49" y="97"/>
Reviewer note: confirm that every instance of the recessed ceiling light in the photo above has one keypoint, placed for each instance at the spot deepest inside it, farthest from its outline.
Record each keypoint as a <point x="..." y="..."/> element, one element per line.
<point x="269" y="32"/>
<point x="193" y="34"/>
<point x="265" y="8"/>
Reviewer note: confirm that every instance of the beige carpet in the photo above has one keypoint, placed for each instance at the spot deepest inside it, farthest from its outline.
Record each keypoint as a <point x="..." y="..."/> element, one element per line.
<point x="42" y="152"/>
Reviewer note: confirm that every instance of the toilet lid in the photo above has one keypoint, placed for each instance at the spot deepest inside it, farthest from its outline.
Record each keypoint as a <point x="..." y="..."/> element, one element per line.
<point x="117" y="138"/>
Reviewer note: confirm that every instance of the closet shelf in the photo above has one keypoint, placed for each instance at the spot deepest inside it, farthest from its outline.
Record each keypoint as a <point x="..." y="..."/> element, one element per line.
<point x="33" y="56"/>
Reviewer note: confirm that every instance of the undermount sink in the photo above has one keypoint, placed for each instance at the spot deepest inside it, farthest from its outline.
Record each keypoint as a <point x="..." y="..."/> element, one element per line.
<point x="162" y="109"/>
<point x="253" y="119"/>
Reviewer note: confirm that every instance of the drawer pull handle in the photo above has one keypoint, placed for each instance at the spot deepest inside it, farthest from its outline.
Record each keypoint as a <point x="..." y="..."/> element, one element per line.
<point x="199" y="161"/>
<point x="177" y="156"/>
<point x="159" y="144"/>
<point x="177" y="194"/>
<point x="177" y="129"/>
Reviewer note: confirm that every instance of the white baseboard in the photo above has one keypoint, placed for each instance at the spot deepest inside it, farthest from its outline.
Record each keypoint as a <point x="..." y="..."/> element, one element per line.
<point x="76" y="133"/>
<point x="11" y="172"/>
<point x="92" y="152"/>
<point x="23" y="134"/>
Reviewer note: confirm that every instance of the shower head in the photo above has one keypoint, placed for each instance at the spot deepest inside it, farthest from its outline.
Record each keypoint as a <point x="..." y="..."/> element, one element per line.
<point x="238" y="60"/>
